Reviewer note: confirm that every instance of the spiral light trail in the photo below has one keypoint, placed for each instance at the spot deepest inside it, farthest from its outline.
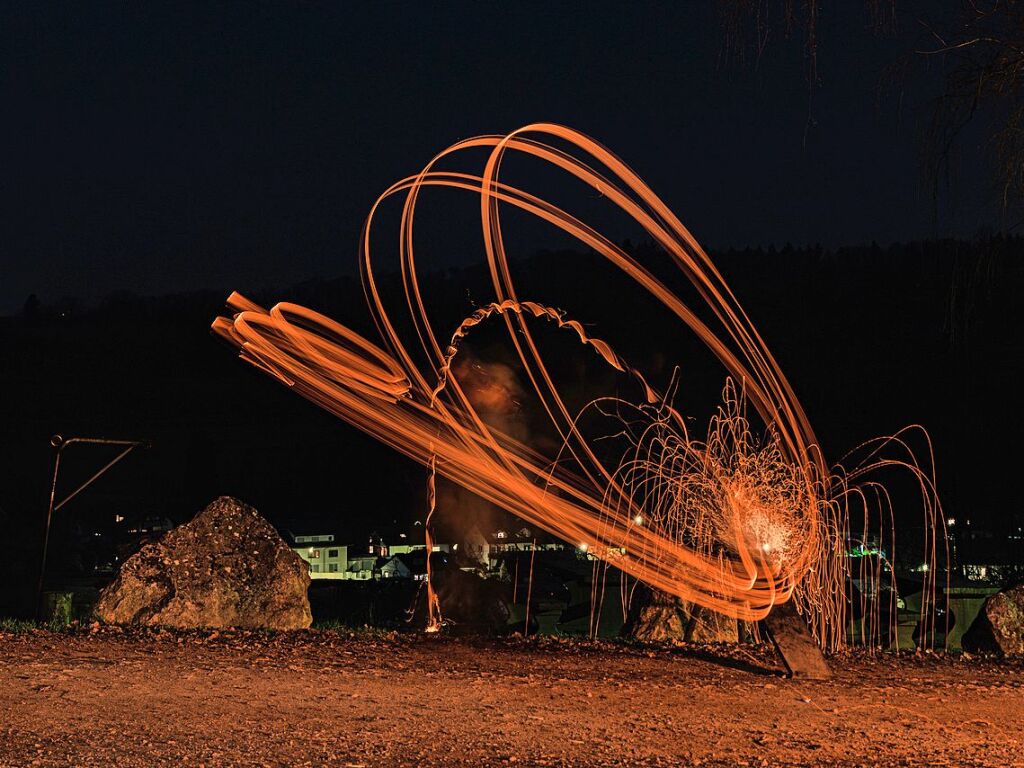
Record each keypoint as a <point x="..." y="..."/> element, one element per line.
<point x="730" y="522"/>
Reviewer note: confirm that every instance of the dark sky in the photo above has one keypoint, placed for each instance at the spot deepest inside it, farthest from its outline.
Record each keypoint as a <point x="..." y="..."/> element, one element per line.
<point x="160" y="148"/>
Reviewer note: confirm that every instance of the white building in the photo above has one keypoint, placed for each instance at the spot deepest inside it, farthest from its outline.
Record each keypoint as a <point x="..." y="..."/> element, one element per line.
<point x="325" y="558"/>
<point x="329" y="560"/>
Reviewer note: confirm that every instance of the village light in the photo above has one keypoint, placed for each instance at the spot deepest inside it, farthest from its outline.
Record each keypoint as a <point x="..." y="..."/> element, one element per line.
<point x="638" y="520"/>
<point x="951" y="522"/>
<point x="583" y="547"/>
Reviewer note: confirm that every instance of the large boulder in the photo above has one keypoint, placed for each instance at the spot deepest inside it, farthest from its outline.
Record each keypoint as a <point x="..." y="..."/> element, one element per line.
<point x="999" y="627"/>
<point x="226" y="568"/>
<point x="657" y="617"/>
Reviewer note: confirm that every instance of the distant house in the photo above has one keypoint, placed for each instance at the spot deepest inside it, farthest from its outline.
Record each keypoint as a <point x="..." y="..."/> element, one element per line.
<point x="325" y="558"/>
<point x="395" y="568"/>
<point x="520" y="539"/>
<point x="362" y="567"/>
<point x="395" y="542"/>
<point x="412" y="565"/>
<point x="405" y="549"/>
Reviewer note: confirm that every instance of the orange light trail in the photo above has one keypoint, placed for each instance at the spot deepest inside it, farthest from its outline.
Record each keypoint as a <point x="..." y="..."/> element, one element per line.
<point x="730" y="523"/>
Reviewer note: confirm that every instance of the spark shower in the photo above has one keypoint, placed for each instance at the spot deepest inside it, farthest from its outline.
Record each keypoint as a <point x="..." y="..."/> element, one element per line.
<point x="737" y="521"/>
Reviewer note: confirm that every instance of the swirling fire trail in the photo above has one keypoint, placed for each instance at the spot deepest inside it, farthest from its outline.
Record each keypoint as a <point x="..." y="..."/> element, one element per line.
<point x="731" y="523"/>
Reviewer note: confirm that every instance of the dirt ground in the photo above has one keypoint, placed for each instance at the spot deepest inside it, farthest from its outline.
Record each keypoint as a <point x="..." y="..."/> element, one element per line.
<point x="112" y="698"/>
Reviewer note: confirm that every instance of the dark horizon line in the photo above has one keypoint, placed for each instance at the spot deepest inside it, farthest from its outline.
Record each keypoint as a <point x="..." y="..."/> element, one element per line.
<point x="91" y="303"/>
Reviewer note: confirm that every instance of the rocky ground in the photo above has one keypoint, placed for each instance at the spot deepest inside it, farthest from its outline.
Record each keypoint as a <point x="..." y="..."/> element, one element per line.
<point x="146" y="698"/>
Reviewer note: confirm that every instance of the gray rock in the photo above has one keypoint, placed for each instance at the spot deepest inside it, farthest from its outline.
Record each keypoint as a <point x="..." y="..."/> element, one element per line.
<point x="656" y="617"/>
<point x="226" y="568"/>
<point x="999" y="627"/>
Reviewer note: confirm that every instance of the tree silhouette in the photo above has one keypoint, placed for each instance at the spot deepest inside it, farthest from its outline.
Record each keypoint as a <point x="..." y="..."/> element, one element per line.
<point x="980" y="48"/>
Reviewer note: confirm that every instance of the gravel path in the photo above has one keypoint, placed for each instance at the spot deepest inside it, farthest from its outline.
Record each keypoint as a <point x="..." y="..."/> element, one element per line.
<point x="323" y="698"/>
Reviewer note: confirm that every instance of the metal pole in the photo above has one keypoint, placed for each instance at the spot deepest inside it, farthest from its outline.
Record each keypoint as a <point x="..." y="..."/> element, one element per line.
<point x="57" y="442"/>
<point x="60" y="444"/>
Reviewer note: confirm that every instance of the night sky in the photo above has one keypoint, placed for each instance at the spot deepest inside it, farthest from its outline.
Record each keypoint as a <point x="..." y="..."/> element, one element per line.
<point x="179" y="147"/>
<point x="157" y="157"/>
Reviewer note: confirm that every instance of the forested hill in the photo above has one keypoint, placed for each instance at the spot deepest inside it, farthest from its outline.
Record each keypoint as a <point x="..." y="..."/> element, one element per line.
<point x="871" y="338"/>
